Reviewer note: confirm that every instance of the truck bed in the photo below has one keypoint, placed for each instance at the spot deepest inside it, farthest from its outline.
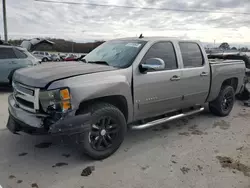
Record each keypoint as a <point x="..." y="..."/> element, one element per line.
<point x="223" y="69"/>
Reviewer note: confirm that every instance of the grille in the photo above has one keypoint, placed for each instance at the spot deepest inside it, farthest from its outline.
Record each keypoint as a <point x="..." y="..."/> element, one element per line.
<point x="26" y="97"/>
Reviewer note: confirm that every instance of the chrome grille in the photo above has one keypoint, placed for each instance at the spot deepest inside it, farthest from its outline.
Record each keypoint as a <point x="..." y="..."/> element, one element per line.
<point x="26" y="97"/>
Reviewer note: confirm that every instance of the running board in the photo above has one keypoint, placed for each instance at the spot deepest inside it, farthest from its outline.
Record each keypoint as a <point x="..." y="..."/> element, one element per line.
<point x="164" y="120"/>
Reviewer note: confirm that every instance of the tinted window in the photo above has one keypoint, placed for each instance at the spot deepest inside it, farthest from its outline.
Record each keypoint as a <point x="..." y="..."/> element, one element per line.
<point x="191" y="54"/>
<point x="35" y="53"/>
<point x="46" y="53"/>
<point x="20" y="54"/>
<point x="7" y="53"/>
<point x="41" y="53"/>
<point x="164" y="51"/>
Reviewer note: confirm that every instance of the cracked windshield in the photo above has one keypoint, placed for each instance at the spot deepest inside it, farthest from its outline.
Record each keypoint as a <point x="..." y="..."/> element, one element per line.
<point x="124" y="94"/>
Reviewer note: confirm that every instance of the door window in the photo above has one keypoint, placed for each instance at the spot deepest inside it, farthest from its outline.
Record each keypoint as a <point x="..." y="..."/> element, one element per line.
<point x="191" y="54"/>
<point x="164" y="51"/>
<point x="7" y="53"/>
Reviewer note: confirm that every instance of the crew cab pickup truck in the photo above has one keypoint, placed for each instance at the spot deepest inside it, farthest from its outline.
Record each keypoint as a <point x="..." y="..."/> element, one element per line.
<point x="132" y="83"/>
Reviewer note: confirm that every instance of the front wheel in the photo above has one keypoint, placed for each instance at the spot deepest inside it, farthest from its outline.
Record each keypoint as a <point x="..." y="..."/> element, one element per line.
<point x="223" y="104"/>
<point x="45" y="59"/>
<point x="107" y="130"/>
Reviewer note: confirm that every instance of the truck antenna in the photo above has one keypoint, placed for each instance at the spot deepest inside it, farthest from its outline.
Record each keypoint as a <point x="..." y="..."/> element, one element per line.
<point x="141" y="36"/>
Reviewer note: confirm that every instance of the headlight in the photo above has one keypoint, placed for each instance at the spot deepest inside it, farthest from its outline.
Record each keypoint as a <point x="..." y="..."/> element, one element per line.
<point x="58" y="100"/>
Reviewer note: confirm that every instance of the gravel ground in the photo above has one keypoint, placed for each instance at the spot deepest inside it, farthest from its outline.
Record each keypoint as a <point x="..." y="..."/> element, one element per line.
<point x="201" y="151"/>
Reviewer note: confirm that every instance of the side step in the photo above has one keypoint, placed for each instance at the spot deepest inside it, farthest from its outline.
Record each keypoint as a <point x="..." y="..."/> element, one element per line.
<point x="164" y="120"/>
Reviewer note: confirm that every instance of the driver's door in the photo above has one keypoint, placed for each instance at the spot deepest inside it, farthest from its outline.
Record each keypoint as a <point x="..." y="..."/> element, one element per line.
<point x="157" y="92"/>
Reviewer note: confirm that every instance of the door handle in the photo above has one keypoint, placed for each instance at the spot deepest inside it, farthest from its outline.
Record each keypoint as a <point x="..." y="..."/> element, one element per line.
<point x="175" y="78"/>
<point x="204" y="74"/>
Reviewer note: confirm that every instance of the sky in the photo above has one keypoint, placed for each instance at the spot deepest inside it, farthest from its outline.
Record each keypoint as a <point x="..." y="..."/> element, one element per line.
<point x="29" y="18"/>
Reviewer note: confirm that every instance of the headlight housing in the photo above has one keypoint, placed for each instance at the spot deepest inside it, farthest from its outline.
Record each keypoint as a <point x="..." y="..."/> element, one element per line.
<point x="55" y="100"/>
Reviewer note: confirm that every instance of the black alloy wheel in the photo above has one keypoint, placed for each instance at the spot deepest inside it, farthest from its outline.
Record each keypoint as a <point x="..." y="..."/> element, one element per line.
<point x="103" y="133"/>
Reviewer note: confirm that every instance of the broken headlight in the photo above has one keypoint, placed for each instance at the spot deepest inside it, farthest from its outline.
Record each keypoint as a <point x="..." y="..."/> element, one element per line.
<point x="55" y="100"/>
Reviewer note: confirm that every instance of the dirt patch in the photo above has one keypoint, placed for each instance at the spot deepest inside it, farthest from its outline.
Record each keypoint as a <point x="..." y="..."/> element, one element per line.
<point x="198" y="132"/>
<point x="222" y="124"/>
<point x="22" y="154"/>
<point x="199" y="167"/>
<point x="174" y="162"/>
<point x="193" y="127"/>
<point x="163" y="127"/>
<point x="185" y="170"/>
<point x="243" y="115"/>
<point x="144" y="167"/>
<point x="66" y="155"/>
<point x="185" y="121"/>
<point x="185" y="134"/>
<point x="19" y="181"/>
<point x="216" y="151"/>
<point x="227" y="162"/>
<point x="34" y="185"/>
<point x="12" y="177"/>
<point x="43" y="145"/>
<point x="59" y="165"/>
<point x="87" y="171"/>
<point x="240" y="148"/>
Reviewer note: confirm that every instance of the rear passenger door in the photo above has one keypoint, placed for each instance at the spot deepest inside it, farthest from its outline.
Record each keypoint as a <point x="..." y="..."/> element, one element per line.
<point x="22" y="59"/>
<point x="7" y="63"/>
<point x="195" y="74"/>
<point x="157" y="92"/>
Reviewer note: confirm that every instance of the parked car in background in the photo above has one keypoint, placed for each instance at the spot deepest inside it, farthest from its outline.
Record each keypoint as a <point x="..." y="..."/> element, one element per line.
<point x="71" y="57"/>
<point x="63" y="56"/>
<point x="55" y="57"/>
<point x="43" y="56"/>
<point x="13" y="58"/>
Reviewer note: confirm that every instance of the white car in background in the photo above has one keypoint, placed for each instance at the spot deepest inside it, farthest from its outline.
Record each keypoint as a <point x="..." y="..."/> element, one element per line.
<point x="43" y="56"/>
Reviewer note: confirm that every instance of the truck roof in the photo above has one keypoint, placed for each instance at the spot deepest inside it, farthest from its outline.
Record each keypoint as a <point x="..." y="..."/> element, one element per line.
<point x="156" y="39"/>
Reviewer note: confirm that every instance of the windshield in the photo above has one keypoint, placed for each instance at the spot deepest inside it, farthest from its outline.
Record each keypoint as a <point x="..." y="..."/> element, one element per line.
<point x="116" y="53"/>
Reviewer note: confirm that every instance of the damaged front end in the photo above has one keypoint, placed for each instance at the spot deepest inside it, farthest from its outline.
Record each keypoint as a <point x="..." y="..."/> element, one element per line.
<point x="36" y="111"/>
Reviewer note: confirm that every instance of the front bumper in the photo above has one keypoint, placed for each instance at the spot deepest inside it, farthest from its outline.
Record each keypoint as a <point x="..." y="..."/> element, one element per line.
<point x="32" y="123"/>
<point x="21" y="120"/>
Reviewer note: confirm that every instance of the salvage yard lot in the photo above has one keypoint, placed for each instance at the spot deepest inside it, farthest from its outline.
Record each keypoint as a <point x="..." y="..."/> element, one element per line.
<point x="199" y="151"/>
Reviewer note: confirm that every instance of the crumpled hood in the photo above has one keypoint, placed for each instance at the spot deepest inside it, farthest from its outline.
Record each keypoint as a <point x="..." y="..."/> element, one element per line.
<point x="44" y="74"/>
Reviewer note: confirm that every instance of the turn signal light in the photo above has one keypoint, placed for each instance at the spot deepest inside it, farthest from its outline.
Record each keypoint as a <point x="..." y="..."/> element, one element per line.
<point x="65" y="94"/>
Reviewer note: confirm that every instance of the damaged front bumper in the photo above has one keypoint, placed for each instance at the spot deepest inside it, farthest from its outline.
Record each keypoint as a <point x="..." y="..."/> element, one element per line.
<point x="33" y="123"/>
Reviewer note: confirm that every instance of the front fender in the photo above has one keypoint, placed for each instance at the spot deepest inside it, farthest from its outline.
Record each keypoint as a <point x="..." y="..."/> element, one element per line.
<point x="97" y="85"/>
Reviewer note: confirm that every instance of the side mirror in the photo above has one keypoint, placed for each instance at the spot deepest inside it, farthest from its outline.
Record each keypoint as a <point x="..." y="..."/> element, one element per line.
<point x="155" y="64"/>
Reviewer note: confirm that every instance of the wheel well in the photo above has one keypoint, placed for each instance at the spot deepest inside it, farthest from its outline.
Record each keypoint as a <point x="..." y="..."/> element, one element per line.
<point x="231" y="82"/>
<point x="117" y="100"/>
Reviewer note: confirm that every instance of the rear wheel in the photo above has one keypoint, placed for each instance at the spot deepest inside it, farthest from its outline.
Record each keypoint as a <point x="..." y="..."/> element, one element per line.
<point x="223" y="104"/>
<point x="107" y="130"/>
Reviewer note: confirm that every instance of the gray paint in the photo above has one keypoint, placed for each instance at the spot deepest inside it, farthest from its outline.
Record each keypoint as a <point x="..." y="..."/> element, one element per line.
<point x="46" y="73"/>
<point x="154" y="92"/>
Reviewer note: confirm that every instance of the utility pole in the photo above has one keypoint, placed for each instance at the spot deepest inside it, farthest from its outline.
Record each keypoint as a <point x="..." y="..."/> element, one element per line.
<point x="5" y="22"/>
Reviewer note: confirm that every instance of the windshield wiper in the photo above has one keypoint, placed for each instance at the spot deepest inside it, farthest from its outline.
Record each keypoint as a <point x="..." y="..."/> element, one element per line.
<point x="99" y="62"/>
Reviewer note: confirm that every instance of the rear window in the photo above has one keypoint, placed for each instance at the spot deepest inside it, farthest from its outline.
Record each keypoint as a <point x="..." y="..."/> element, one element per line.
<point x="20" y="54"/>
<point x="7" y="53"/>
<point x="191" y="54"/>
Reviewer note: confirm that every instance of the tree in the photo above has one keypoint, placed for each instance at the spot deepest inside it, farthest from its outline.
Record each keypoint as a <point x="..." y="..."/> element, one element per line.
<point x="244" y="49"/>
<point x="224" y="46"/>
<point x="233" y="48"/>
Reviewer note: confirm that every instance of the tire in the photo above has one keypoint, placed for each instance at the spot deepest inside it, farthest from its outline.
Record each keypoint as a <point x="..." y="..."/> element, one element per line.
<point x="90" y="140"/>
<point x="45" y="59"/>
<point x="223" y="104"/>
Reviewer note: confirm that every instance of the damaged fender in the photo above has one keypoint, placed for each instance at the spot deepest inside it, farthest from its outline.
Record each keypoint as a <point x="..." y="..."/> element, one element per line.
<point x="72" y="125"/>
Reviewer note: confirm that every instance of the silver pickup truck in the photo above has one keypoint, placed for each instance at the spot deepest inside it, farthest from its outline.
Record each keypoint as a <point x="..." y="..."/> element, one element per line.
<point x="126" y="83"/>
